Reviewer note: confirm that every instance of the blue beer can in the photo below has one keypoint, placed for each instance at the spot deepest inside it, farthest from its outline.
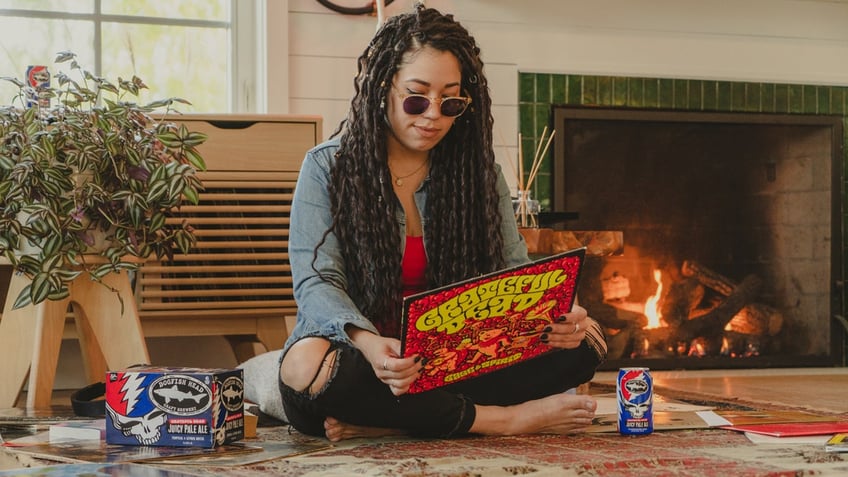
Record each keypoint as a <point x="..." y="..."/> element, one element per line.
<point x="635" y="390"/>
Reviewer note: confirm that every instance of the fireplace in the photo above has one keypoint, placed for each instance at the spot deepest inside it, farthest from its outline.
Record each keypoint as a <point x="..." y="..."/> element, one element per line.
<point x="732" y="226"/>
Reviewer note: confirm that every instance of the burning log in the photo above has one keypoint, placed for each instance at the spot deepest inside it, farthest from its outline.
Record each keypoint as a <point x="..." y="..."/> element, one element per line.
<point x="711" y="324"/>
<point x="707" y="277"/>
<point x="753" y="319"/>
<point x="616" y="318"/>
<point x="619" y="325"/>
<point x="702" y="313"/>
<point x="757" y="319"/>
<point x="653" y="342"/>
<point x="682" y="301"/>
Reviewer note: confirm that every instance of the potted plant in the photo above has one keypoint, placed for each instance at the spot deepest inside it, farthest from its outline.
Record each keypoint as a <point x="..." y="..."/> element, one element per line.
<point x="88" y="180"/>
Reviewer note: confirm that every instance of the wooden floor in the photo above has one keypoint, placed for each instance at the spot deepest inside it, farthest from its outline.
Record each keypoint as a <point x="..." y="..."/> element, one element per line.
<point x="816" y="389"/>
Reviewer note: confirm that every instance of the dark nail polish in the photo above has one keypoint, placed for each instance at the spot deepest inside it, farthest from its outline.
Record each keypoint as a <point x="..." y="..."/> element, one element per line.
<point x="544" y="338"/>
<point x="424" y="362"/>
<point x="560" y="319"/>
<point x="547" y="329"/>
<point x="417" y="359"/>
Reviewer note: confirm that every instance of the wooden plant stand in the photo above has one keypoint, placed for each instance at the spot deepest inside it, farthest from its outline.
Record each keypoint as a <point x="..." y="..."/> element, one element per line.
<point x="30" y="337"/>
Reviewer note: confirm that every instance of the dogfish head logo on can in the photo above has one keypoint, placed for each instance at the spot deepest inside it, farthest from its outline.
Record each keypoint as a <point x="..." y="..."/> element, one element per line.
<point x="634" y="386"/>
<point x="180" y="395"/>
<point x="232" y="393"/>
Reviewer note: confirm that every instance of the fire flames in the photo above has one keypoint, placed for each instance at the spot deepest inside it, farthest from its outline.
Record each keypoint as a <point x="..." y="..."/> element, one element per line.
<point x="656" y="335"/>
<point x="652" y="309"/>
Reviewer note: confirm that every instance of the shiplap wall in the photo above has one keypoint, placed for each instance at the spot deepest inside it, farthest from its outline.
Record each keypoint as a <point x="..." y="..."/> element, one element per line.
<point x="781" y="41"/>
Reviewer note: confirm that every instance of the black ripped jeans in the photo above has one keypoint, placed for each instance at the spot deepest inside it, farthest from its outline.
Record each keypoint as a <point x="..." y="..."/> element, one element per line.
<point x="355" y="396"/>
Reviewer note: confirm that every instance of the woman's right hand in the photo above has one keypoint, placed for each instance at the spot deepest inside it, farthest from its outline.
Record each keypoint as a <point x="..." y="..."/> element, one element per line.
<point x="384" y="355"/>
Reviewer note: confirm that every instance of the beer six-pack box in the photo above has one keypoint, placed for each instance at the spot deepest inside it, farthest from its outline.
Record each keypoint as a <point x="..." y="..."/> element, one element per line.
<point x="168" y="406"/>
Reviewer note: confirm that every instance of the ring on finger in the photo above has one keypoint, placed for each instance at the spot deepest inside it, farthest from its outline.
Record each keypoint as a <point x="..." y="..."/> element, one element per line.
<point x="576" y="327"/>
<point x="386" y="364"/>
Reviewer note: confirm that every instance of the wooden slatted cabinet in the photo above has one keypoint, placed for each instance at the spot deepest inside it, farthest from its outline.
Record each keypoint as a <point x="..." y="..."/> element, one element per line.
<point x="236" y="282"/>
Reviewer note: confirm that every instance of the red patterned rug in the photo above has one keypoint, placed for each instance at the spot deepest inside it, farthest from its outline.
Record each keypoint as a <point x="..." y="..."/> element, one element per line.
<point x="695" y="453"/>
<point x="705" y="452"/>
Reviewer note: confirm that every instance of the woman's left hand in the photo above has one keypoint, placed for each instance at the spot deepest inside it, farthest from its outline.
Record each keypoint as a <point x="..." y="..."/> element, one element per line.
<point x="567" y="331"/>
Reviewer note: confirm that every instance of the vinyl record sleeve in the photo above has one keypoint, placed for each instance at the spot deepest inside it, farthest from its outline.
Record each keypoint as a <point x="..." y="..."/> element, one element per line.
<point x="489" y="322"/>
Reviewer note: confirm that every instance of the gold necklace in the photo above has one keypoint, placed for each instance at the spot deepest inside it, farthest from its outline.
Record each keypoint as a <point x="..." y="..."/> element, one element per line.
<point x="399" y="179"/>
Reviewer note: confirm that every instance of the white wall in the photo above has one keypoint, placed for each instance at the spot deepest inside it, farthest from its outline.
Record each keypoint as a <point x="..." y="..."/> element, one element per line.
<point x="781" y="41"/>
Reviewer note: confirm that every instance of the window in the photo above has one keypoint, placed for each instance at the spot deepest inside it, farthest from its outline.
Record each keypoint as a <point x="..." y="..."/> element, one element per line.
<point x="182" y="48"/>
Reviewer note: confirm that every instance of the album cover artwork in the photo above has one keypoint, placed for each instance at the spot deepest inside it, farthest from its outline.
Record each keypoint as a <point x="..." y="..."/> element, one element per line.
<point x="490" y="322"/>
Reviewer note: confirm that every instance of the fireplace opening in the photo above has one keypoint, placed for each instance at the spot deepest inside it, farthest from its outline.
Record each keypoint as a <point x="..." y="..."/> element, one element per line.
<point x="732" y="225"/>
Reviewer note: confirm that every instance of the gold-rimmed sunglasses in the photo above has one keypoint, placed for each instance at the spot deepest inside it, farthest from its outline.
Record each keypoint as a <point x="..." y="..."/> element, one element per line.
<point x="450" y="106"/>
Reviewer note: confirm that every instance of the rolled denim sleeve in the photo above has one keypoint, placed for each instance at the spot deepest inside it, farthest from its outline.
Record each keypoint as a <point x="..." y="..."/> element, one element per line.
<point x="324" y="307"/>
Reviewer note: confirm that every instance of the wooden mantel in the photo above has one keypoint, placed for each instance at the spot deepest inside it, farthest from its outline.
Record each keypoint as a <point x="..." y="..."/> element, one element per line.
<point x="542" y="241"/>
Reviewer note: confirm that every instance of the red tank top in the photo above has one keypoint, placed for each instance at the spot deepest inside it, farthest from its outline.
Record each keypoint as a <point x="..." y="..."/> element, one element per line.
<point x="413" y="279"/>
<point x="413" y="266"/>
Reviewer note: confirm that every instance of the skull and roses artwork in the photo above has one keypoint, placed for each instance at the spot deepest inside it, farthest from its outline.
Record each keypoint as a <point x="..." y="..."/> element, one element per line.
<point x="158" y="406"/>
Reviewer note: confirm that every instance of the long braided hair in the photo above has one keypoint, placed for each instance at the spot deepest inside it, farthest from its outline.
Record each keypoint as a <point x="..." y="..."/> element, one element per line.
<point x="463" y="231"/>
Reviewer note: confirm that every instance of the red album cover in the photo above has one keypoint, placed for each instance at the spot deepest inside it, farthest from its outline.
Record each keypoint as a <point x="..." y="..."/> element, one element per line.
<point x="490" y="322"/>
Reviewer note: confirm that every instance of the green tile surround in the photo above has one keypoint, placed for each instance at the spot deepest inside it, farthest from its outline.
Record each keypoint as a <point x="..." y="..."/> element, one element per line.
<point x="537" y="92"/>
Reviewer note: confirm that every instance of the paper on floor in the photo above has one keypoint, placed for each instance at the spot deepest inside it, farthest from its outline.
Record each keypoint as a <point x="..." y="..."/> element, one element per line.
<point x="764" y="439"/>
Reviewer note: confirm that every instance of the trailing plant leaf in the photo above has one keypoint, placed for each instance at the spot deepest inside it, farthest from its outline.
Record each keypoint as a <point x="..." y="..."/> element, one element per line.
<point x="93" y="163"/>
<point x="40" y="287"/>
<point x="24" y="297"/>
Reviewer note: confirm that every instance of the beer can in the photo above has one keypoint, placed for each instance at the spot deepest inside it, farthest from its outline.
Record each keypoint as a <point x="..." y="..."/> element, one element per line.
<point x="38" y="78"/>
<point x="635" y="390"/>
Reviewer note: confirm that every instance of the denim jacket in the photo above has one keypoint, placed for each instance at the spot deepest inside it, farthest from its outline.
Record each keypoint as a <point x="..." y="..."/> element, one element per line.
<point x="324" y="308"/>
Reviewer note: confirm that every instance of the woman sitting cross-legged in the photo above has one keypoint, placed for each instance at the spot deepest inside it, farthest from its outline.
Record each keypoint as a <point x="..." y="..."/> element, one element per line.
<point x="408" y="197"/>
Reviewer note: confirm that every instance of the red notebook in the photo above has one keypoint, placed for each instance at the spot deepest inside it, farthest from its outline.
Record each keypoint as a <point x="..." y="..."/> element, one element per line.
<point x="487" y="323"/>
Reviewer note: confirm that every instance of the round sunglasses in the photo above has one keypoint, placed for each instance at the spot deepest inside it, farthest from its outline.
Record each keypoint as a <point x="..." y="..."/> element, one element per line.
<point x="451" y="106"/>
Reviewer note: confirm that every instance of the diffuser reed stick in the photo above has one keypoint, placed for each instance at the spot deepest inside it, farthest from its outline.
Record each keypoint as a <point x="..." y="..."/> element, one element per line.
<point x="527" y="209"/>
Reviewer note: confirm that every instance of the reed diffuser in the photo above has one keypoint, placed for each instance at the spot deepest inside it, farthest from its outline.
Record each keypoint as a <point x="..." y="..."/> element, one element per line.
<point x="526" y="208"/>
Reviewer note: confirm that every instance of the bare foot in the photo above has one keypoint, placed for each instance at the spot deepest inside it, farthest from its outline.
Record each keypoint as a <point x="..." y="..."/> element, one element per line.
<point x="556" y="414"/>
<point x="336" y="430"/>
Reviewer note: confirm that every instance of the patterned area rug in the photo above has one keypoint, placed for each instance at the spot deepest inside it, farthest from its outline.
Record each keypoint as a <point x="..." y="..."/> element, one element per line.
<point x="693" y="453"/>
<point x="672" y="453"/>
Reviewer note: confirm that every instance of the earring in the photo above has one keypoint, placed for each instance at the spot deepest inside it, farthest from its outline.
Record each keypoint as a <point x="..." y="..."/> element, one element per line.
<point x="382" y="104"/>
